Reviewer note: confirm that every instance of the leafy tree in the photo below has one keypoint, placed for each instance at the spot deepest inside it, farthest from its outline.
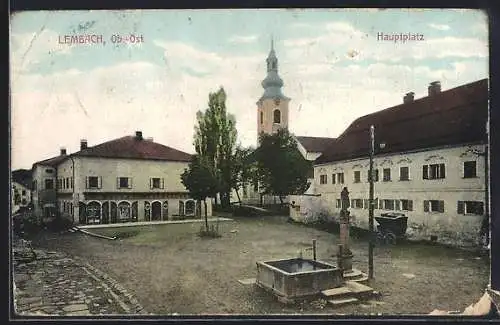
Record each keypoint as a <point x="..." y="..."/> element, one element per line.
<point x="282" y="168"/>
<point x="200" y="181"/>
<point x="215" y="140"/>
<point x="242" y="168"/>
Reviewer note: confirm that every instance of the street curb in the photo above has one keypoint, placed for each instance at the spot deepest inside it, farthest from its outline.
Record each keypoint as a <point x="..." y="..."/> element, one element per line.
<point x="136" y="307"/>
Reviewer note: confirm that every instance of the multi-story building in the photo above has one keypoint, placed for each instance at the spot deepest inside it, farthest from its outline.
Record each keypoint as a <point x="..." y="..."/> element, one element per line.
<point x="21" y="189"/>
<point x="126" y="179"/>
<point x="430" y="163"/>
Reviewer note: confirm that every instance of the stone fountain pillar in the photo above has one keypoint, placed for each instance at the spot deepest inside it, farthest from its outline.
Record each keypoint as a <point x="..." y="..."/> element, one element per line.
<point x="344" y="255"/>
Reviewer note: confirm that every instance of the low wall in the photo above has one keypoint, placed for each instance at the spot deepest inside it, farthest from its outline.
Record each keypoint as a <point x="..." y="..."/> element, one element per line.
<point x="309" y="209"/>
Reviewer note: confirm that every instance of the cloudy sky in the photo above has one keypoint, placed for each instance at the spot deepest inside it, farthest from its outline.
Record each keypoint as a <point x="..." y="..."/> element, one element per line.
<point x="333" y="66"/>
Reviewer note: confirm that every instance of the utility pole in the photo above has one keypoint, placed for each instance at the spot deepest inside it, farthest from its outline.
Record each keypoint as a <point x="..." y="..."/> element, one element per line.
<point x="371" y="206"/>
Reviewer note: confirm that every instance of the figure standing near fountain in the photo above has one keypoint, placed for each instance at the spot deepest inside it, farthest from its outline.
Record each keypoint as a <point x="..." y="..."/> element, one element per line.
<point x="344" y="254"/>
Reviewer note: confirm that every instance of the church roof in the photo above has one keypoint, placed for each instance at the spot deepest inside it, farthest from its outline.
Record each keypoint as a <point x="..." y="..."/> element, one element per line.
<point x="315" y="144"/>
<point x="273" y="83"/>
<point x="127" y="147"/>
<point x="452" y="117"/>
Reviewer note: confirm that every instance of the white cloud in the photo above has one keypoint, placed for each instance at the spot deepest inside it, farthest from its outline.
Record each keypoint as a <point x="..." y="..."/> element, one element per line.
<point x="340" y="40"/>
<point x="243" y="39"/>
<point x="439" y="26"/>
<point x="29" y="48"/>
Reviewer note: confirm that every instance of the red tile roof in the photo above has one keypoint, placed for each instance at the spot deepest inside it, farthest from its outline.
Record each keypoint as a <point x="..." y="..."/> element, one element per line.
<point x="54" y="161"/>
<point x="315" y="144"/>
<point x="452" y="117"/>
<point x="128" y="147"/>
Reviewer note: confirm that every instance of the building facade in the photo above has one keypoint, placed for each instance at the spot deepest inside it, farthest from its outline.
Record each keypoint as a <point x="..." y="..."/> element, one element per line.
<point x="20" y="196"/>
<point x="123" y="180"/>
<point x="430" y="163"/>
<point x="272" y="115"/>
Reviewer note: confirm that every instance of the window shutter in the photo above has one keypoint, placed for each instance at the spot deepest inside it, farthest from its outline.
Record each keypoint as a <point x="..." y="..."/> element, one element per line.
<point x="118" y="182"/>
<point x="130" y="182"/>
<point x="425" y="172"/>
<point x="461" y="207"/>
<point x="442" y="171"/>
<point x="352" y="203"/>
<point x="410" y="205"/>
<point x="426" y="206"/>
<point x="398" y="204"/>
<point x="87" y="182"/>
<point x="162" y="181"/>
<point x="99" y="182"/>
<point x="150" y="183"/>
<point x="441" y="206"/>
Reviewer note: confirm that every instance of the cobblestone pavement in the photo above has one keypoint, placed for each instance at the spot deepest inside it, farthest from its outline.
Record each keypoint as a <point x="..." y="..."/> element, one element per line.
<point x="52" y="283"/>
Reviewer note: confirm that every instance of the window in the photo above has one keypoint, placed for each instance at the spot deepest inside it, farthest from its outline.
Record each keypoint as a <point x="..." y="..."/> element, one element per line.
<point x="339" y="204"/>
<point x="388" y="204"/>
<point x="404" y="174"/>
<point x="333" y="179"/>
<point x="49" y="171"/>
<point x="261" y="117"/>
<point x="23" y="192"/>
<point x="434" y="206"/>
<point x="357" y="176"/>
<point x="470" y="169"/>
<point x="367" y="204"/>
<point x="375" y="172"/>
<point x="434" y="171"/>
<point x="340" y="178"/>
<point x="49" y="184"/>
<point x="67" y="182"/>
<point x="156" y="182"/>
<point x="470" y="207"/>
<point x="124" y="182"/>
<point x="407" y="205"/>
<point x="72" y="182"/>
<point x="33" y="185"/>
<point x="322" y="179"/>
<point x="93" y="182"/>
<point x="357" y="203"/>
<point x="386" y="173"/>
<point x="277" y="116"/>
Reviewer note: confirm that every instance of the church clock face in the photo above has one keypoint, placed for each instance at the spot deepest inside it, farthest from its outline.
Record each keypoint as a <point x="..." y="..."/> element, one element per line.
<point x="277" y="101"/>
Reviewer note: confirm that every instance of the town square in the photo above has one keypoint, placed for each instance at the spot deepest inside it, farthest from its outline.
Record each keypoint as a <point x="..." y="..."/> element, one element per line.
<point x="250" y="162"/>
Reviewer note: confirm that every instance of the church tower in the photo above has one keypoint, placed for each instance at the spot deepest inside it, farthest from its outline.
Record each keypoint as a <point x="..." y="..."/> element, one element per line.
<point x="272" y="107"/>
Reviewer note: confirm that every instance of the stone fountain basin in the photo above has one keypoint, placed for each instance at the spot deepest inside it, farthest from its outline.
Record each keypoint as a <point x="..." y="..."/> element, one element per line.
<point x="297" y="277"/>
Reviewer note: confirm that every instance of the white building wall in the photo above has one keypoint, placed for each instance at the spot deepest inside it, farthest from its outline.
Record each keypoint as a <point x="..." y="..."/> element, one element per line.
<point x="24" y="199"/>
<point x="448" y="226"/>
<point x="139" y="171"/>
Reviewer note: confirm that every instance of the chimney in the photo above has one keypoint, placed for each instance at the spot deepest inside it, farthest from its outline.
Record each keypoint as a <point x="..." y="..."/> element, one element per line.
<point x="409" y="97"/>
<point x="63" y="151"/>
<point x="434" y="88"/>
<point x="83" y="144"/>
<point x="138" y="135"/>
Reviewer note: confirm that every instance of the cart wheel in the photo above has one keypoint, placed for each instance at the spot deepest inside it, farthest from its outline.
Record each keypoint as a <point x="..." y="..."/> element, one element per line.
<point x="380" y="238"/>
<point x="390" y="238"/>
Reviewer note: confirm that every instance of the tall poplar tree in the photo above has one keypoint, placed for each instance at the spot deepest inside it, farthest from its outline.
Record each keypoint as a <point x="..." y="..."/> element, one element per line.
<point x="215" y="140"/>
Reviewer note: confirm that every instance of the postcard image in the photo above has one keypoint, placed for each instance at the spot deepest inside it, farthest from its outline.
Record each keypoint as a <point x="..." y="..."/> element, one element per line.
<point x="250" y="162"/>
